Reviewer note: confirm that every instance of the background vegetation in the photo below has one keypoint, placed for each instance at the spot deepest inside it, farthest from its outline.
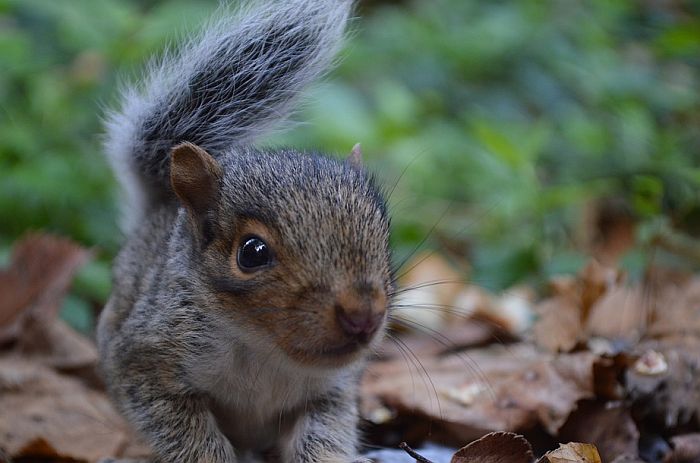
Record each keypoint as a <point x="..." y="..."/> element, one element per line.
<point x="502" y="129"/>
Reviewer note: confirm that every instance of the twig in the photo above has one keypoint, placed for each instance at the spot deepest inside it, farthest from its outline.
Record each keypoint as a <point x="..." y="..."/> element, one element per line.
<point x="419" y="458"/>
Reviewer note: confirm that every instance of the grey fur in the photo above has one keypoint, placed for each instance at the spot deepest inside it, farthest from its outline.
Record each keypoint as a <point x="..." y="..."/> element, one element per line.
<point x="209" y="363"/>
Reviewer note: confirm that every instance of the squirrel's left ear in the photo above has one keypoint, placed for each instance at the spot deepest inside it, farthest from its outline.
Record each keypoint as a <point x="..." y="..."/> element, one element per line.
<point x="194" y="176"/>
<point x="355" y="157"/>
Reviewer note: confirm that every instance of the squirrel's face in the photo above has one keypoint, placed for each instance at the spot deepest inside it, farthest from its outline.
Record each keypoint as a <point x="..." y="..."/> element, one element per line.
<point x="295" y="249"/>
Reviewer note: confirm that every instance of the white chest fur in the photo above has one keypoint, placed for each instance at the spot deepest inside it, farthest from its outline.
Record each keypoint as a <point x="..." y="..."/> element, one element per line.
<point x="255" y="395"/>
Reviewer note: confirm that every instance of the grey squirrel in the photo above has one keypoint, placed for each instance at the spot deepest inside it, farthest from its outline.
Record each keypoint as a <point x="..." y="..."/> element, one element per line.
<point x="253" y="283"/>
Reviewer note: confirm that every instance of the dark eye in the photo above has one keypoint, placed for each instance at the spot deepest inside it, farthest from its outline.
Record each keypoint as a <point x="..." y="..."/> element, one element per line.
<point x="253" y="253"/>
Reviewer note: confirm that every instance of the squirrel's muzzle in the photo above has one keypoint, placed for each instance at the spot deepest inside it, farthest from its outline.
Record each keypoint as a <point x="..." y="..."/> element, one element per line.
<point x="360" y="312"/>
<point x="360" y="325"/>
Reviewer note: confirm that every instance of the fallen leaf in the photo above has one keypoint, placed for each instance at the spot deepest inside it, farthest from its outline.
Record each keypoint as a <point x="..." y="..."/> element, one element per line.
<point x="41" y="407"/>
<point x="558" y="327"/>
<point x="457" y="336"/>
<point x="39" y="449"/>
<point x="607" y="425"/>
<point x="512" y="388"/>
<point x="32" y="287"/>
<point x="621" y="313"/>
<point x="677" y="309"/>
<point x="466" y="395"/>
<point x="31" y="291"/>
<point x="57" y="345"/>
<point x="495" y="447"/>
<point x="596" y="280"/>
<point x="573" y="452"/>
<point x="428" y="291"/>
<point x="574" y="305"/>
<point x="512" y="311"/>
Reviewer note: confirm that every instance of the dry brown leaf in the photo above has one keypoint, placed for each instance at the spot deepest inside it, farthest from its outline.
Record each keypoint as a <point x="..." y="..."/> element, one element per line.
<point x="665" y="305"/>
<point x="495" y="447"/>
<point x="608" y="426"/>
<point x="573" y="452"/>
<point x="32" y="287"/>
<point x="457" y="336"/>
<point x="562" y="318"/>
<point x="431" y="286"/>
<point x="512" y="311"/>
<point x="676" y="309"/>
<point x="435" y="296"/>
<point x="686" y="449"/>
<point x="621" y="313"/>
<point x="558" y="327"/>
<point x="510" y="388"/>
<point x="39" y="405"/>
<point x="595" y="280"/>
<point x="57" y="345"/>
<point x="39" y="449"/>
<point x="608" y="371"/>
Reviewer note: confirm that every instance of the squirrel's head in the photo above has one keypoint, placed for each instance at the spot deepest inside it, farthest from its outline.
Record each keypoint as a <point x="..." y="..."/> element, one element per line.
<point x="292" y="248"/>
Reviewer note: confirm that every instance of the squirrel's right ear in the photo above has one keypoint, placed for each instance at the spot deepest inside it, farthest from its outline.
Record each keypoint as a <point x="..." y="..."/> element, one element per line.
<point x="355" y="157"/>
<point x="194" y="176"/>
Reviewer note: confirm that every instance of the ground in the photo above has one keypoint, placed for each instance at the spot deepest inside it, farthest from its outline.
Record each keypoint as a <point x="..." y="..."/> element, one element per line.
<point x="592" y="359"/>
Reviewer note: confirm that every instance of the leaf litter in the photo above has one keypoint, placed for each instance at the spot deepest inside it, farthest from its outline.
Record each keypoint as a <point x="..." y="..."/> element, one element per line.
<point x="597" y="370"/>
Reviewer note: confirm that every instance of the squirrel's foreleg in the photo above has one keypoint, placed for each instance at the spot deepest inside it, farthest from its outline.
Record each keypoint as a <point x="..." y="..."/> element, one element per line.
<point x="179" y="427"/>
<point x="327" y="433"/>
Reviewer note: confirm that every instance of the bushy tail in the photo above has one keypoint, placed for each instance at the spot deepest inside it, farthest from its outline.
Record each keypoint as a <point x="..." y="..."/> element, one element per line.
<point x="226" y="86"/>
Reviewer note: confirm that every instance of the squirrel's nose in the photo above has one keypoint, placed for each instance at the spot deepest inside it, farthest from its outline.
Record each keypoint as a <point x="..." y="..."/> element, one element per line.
<point x="358" y="324"/>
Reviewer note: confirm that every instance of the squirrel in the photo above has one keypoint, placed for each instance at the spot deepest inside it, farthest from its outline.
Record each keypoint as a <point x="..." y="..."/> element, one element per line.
<point x="254" y="283"/>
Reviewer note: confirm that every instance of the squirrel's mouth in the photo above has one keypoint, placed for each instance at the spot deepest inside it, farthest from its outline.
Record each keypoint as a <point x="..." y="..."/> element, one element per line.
<point x="341" y="350"/>
<point x="331" y="356"/>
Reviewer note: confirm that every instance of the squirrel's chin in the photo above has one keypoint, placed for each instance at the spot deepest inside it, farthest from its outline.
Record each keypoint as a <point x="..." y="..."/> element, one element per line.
<point x="330" y="357"/>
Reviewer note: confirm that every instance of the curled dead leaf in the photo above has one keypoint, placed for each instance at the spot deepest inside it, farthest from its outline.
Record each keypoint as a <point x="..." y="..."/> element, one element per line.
<point x="32" y="287"/>
<point x="495" y="447"/>
<point x="573" y="452"/>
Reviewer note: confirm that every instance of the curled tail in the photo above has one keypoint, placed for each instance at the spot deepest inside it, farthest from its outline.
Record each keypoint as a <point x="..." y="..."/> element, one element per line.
<point x="226" y="86"/>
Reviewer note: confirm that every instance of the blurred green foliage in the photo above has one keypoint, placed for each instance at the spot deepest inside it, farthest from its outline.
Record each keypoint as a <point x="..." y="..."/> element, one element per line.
<point x="491" y="123"/>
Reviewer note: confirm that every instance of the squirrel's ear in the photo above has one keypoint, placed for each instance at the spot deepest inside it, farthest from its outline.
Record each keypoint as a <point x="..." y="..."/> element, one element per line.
<point x="194" y="176"/>
<point x="355" y="157"/>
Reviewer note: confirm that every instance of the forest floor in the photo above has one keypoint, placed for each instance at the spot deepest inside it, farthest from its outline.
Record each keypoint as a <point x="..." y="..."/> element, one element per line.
<point x="609" y="369"/>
